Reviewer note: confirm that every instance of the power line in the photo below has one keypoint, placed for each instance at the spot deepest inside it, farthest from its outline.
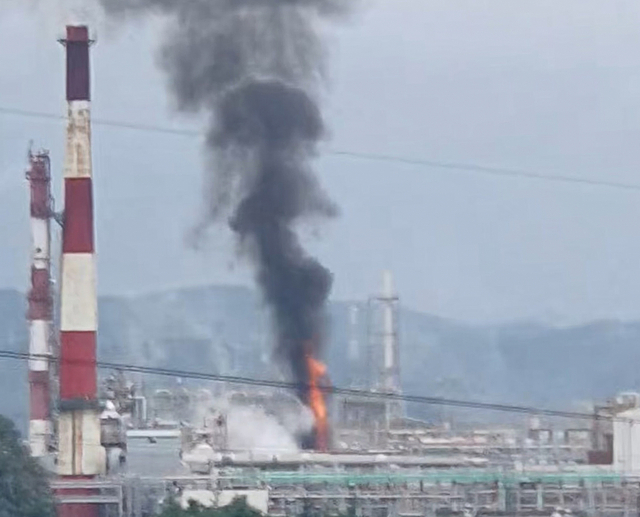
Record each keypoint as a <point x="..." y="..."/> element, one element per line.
<point x="493" y="171"/>
<point x="457" y="166"/>
<point x="250" y="381"/>
<point x="102" y="122"/>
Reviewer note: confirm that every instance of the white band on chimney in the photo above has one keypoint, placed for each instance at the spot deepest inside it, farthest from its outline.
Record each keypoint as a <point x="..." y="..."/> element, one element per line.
<point x="40" y="243"/>
<point x="39" y="345"/>
<point x="39" y="431"/>
<point x="78" y="297"/>
<point x="78" y="153"/>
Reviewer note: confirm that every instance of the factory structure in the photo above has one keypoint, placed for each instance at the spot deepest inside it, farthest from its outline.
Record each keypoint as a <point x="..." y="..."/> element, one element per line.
<point x="118" y="450"/>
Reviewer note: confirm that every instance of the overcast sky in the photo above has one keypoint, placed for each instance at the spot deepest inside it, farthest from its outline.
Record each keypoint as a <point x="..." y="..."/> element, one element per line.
<point x="539" y="85"/>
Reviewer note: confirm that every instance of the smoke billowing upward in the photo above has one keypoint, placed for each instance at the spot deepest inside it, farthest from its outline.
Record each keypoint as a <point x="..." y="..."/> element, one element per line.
<point x="254" y="67"/>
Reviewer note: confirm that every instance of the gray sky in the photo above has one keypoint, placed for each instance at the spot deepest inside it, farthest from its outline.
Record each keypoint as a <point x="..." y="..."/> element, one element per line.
<point x="540" y="85"/>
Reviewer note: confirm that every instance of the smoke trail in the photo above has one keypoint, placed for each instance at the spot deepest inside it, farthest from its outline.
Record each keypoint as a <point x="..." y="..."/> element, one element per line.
<point x="254" y="66"/>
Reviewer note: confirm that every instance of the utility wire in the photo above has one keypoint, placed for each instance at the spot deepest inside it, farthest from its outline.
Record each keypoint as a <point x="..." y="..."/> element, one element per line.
<point x="102" y="122"/>
<point x="493" y="171"/>
<point x="250" y="381"/>
<point x="455" y="166"/>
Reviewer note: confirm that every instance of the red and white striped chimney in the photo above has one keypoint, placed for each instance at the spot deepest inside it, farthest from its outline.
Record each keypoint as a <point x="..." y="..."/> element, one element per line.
<point x="40" y="312"/>
<point x="80" y="453"/>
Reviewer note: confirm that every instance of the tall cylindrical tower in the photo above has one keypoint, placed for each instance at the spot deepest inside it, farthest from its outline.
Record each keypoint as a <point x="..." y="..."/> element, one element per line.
<point x="384" y="349"/>
<point x="389" y="337"/>
<point x="80" y="453"/>
<point x="354" y="343"/>
<point x="40" y="311"/>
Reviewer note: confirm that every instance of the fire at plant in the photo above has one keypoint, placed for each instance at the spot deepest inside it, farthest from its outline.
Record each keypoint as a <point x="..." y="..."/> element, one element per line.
<point x="316" y="399"/>
<point x="215" y="439"/>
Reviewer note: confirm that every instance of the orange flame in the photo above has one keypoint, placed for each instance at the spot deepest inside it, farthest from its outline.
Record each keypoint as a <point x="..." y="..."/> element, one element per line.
<point x="317" y="370"/>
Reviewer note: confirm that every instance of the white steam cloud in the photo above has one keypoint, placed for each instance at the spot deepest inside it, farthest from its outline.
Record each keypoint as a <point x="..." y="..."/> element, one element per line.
<point x="252" y="429"/>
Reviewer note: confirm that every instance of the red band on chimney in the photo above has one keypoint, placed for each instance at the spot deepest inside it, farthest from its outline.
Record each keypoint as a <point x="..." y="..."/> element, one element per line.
<point x="39" y="182"/>
<point x="39" y="297"/>
<point x="78" y="33"/>
<point x="77" y="509"/>
<point x="78" y="365"/>
<point x="78" y="216"/>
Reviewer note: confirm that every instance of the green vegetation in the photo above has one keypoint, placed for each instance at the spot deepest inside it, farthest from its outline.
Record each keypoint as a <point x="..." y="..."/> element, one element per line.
<point x="24" y="486"/>
<point x="238" y="508"/>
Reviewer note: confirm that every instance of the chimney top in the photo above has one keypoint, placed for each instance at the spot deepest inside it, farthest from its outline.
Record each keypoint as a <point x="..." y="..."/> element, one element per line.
<point x="77" y="33"/>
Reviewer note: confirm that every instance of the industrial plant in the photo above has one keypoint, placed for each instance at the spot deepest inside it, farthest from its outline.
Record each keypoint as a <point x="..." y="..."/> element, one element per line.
<point x="120" y="447"/>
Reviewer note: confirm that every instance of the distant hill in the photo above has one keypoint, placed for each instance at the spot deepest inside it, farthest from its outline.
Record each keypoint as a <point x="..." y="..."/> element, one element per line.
<point x="226" y="330"/>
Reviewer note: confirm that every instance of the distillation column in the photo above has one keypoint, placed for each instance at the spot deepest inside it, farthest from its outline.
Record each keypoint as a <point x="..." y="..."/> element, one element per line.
<point x="40" y="304"/>
<point x="391" y="355"/>
<point x="390" y="347"/>
<point x="80" y="455"/>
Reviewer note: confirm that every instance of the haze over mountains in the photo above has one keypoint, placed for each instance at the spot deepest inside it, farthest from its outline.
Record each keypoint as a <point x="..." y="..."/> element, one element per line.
<point x="221" y="329"/>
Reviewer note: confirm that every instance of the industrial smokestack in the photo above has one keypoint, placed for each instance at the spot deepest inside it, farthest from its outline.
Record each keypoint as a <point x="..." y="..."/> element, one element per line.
<point x="390" y="366"/>
<point x="80" y="454"/>
<point x="40" y="313"/>
<point x="253" y="66"/>
<point x="388" y="323"/>
<point x="354" y="343"/>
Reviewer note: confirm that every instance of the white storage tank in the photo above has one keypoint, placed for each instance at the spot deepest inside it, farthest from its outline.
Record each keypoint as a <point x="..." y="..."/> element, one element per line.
<point x="626" y="441"/>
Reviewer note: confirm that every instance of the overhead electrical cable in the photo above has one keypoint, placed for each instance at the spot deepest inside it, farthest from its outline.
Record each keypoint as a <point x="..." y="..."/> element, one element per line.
<point x="470" y="167"/>
<point x="250" y="381"/>
<point x="446" y="165"/>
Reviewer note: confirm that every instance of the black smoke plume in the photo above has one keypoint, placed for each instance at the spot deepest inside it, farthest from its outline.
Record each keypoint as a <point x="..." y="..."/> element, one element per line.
<point x="254" y="66"/>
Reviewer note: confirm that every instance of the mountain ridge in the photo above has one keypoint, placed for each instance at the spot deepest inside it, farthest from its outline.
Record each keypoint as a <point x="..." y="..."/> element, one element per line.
<point x="227" y="331"/>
